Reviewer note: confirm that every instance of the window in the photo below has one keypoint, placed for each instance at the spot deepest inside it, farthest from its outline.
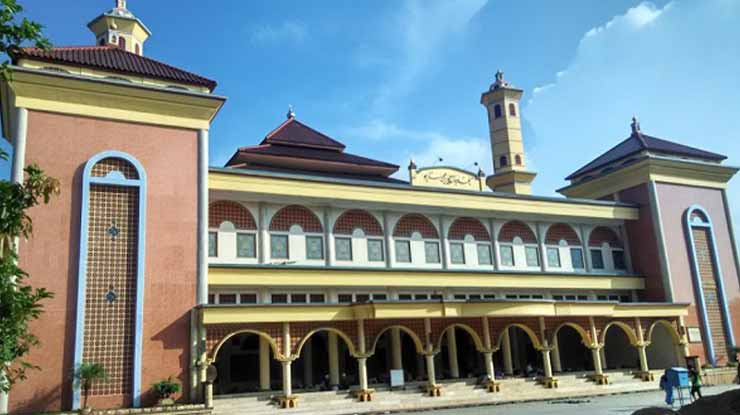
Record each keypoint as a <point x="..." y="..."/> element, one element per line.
<point x="533" y="256"/>
<point x="245" y="245"/>
<point x="403" y="251"/>
<point x="512" y="110"/>
<point x="344" y="249"/>
<point x="474" y="297"/>
<point x="227" y="298"/>
<point x="502" y="161"/>
<point x="597" y="260"/>
<point x="457" y="253"/>
<point x="436" y="296"/>
<point x="212" y="244"/>
<point x="576" y="258"/>
<point x="557" y="297"/>
<point x="518" y="160"/>
<point x="489" y="296"/>
<point x="625" y="298"/>
<point x="553" y="257"/>
<point x="121" y="42"/>
<point x="404" y="297"/>
<point x="345" y="298"/>
<point x="618" y="257"/>
<point x="298" y="298"/>
<point x="317" y="298"/>
<point x="279" y="298"/>
<point x="362" y="298"/>
<point x="248" y="298"/>
<point x="211" y="298"/>
<point x="137" y="48"/>
<point x="380" y="297"/>
<point x="497" y="111"/>
<point x="507" y="255"/>
<point x="484" y="254"/>
<point x="421" y="297"/>
<point x="314" y="247"/>
<point x="279" y="246"/>
<point x="431" y="249"/>
<point x="460" y="297"/>
<point x="582" y="298"/>
<point x="375" y="250"/>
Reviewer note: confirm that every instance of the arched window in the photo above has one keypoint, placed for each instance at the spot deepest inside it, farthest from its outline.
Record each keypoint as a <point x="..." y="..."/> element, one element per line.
<point x="416" y="229"/>
<point x="471" y="232"/>
<point x="497" y="111"/>
<point x="562" y="241"/>
<point x="603" y="242"/>
<point x="512" y="109"/>
<point x="121" y="42"/>
<point x="301" y="224"/>
<point x="232" y="231"/>
<point x="502" y="162"/>
<point x="516" y="236"/>
<point x="518" y="159"/>
<point x="137" y="48"/>
<point x="111" y="270"/>
<point x="354" y="228"/>
<point x="708" y="281"/>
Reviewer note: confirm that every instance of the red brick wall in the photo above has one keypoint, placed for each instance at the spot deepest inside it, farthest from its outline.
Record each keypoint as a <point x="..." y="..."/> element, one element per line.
<point x="226" y="210"/>
<point x="352" y="219"/>
<point x="468" y="226"/>
<point x="602" y="234"/>
<point x="414" y="222"/>
<point x="295" y="215"/>
<point x="562" y="231"/>
<point x="516" y="228"/>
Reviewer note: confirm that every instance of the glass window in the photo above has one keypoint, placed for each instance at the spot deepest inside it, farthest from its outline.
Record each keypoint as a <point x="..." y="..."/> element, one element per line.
<point x="537" y="296"/>
<point x="601" y="298"/>
<point x="361" y="298"/>
<point x="618" y="257"/>
<point x="431" y="250"/>
<point x="245" y="245"/>
<point x="279" y="246"/>
<point x="553" y="257"/>
<point x="345" y="298"/>
<point x="576" y="258"/>
<point x="227" y="298"/>
<point x="298" y="298"/>
<point x="533" y="256"/>
<point x="380" y="297"/>
<point x="582" y="298"/>
<point x="625" y="298"/>
<point x="248" y="298"/>
<point x="279" y="298"/>
<point x="314" y="247"/>
<point x="317" y="298"/>
<point x="484" y="254"/>
<point x="597" y="260"/>
<point x="436" y="296"/>
<point x="474" y="297"/>
<point x="211" y="299"/>
<point x="403" y="251"/>
<point x="570" y="297"/>
<point x="212" y="244"/>
<point x="511" y="296"/>
<point x="460" y="297"/>
<point x="404" y="297"/>
<point x="375" y="250"/>
<point x="344" y="249"/>
<point x="557" y="297"/>
<point x="457" y="253"/>
<point x="421" y="297"/>
<point x="507" y="255"/>
<point x="489" y="296"/>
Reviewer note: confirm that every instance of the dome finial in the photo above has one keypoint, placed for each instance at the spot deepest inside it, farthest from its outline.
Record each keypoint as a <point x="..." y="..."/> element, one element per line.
<point x="291" y="113"/>
<point x="121" y="4"/>
<point x="635" y="125"/>
<point x="500" y="81"/>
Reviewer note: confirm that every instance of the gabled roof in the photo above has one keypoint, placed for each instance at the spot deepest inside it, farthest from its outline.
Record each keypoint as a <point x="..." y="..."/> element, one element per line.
<point x="113" y="58"/>
<point x="638" y="142"/>
<point x="294" y="133"/>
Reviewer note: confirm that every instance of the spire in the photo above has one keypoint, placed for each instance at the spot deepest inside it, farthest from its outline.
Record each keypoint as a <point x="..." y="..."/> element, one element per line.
<point x="500" y="82"/>
<point x="121" y="4"/>
<point x="291" y="113"/>
<point x="119" y="27"/>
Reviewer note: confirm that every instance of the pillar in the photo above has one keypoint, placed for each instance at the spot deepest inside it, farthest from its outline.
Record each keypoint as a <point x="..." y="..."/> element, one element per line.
<point x="333" y="359"/>
<point x="308" y="364"/>
<point x="430" y="369"/>
<point x="264" y="364"/>
<point x="602" y="357"/>
<point x="508" y="367"/>
<point x="287" y="380"/>
<point x="547" y="363"/>
<point x="556" y="364"/>
<point x="596" y="355"/>
<point x="452" y="353"/>
<point x="362" y="372"/>
<point x="397" y="361"/>
<point x="202" y="275"/>
<point x="641" y="352"/>
<point x="488" y="361"/>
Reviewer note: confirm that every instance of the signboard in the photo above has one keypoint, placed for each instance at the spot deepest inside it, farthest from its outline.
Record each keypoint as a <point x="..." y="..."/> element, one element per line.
<point x="694" y="335"/>
<point x="396" y="378"/>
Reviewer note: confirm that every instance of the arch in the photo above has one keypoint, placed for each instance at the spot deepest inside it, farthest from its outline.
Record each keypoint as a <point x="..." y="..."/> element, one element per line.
<point x="516" y="228"/>
<point x="273" y="344"/>
<point x="512" y="109"/>
<point x="415" y="222"/>
<point x="671" y="329"/>
<point x="532" y="335"/>
<point x="518" y="160"/>
<point x="561" y="231"/>
<point x="121" y="42"/>
<point x="628" y="331"/>
<point x="468" y="226"/>
<point x="227" y="210"/>
<point x="502" y="161"/>
<point x="473" y="334"/>
<point x="340" y="333"/>
<point x="585" y="336"/>
<point x="291" y="215"/>
<point x="353" y="219"/>
<point x="601" y="234"/>
<point x="497" y="111"/>
<point x="417" y="341"/>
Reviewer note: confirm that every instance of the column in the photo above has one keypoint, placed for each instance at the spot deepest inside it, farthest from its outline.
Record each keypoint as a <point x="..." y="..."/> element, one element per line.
<point x="308" y="364"/>
<point x="430" y="368"/>
<point x="556" y="364"/>
<point x="202" y="289"/>
<point x="264" y="364"/>
<point x="596" y="355"/>
<point x="488" y="361"/>
<point x="508" y="367"/>
<point x="642" y="351"/>
<point x="361" y="361"/>
<point x="595" y="347"/>
<point x="333" y="359"/>
<point x="546" y="363"/>
<point x="452" y="353"/>
<point x="584" y="246"/>
<point x="328" y="238"/>
<point x="397" y="361"/>
<point x="287" y="380"/>
<point x="602" y="356"/>
<point x="443" y="242"/>
<point x="264" y="232"/>
<point x="362" y="372"/>
<point x="387" y="245"/>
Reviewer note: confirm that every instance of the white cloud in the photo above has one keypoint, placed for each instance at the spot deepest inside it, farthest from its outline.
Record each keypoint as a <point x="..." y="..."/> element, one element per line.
<point x="284" y="32"/>
<point x="636" y="17"/>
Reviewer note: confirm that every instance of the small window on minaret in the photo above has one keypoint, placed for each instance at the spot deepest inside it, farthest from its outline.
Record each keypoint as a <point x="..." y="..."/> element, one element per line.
<point x="497" y="111"/>
<point x="121" y="42"/>
<point x="503" y="162"/>
<point x="518" y="160"/>
<point x="512" y="110"/>
<point x="138" y="49"/>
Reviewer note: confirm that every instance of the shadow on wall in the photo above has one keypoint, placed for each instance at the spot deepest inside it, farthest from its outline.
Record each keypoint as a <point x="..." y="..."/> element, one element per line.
<point x="171" y="338"/>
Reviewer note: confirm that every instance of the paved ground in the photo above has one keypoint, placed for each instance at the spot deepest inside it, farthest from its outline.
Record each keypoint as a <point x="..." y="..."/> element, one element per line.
<point x="604" y="405"/>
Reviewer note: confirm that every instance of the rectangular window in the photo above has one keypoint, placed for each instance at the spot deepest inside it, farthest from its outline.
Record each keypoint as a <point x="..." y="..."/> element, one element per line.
<point x="570" y="298"/>
<point x="362" y="298"/>
<point x="380" y="297"/>
<point x="618" y="257"/>
<point x="314" y="247"/>
<point x="460" y="297"/>
<point x="457" y="253"/>
<point x="557" y="297"/>
<point x="298" y="298"/>
<point x="576" y="258"/>
<point x="211" y="299"/>
<point x="279" y="246"/>
<point x="248" y="298"/>
<point x="484" y="254"/>
<point x="582" y="298"/>
<point x="625" y="298"/>
<point x="597" y="260"/>
<point x="511" y="296"/>
<point x="474" y="297"/>
<point x="489" y="296"/>
<point x="538" y="296"/>
<point x="345" y="298"/>
<point x="403" y="251"/>
<point x="246" y="245"/>
<point x="375" y="250"/>
<point x="431" y="249"/>
<point x="601" y="298"/>
<point x="317" y="298"/>
<point x="404" y="297"/>
<point x="343" y="249"/>
<point x="212" y="244"/>
<point x="421" y="297"/>
<point x="436" y="296"/>
<point x="533" y="256"/>
<point x="507" y="255"/>
<point x="553" y="257"/>
<point x="279" y="298"/>
<point x="227" y="298"/>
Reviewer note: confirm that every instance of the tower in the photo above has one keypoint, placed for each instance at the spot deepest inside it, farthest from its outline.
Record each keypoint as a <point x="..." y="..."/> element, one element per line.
<point x="121" y="28"/>
<point x="509" y="164"/>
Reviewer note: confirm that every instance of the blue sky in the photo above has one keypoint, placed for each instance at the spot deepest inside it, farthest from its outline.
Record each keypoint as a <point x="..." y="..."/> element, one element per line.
<point x="397" y="79"/>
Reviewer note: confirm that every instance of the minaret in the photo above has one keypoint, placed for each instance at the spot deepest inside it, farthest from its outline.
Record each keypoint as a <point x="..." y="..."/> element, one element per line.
<point x="509" y="162"/>
<point x="121" y="28"/>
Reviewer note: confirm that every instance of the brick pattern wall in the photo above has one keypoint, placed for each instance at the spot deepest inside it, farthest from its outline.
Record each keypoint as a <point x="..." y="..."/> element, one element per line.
<point x="497" y="325"/>
<point x="708" y="277"/>
<point x="414" y="222"/>
<point x="216" y="333"/>
<point x="468" y="226"/>
<point x="110" y="297"/>
<point x="439" y="326"/>
<point x="356" y="218"/>
<point x="375" y="328"/>
<point x="298" y="331"/>
<point x="295" y="215"/>
<point x="603" y="234"/>
<point x="517" y="228"/>
<point x="225" y="210"/>
<point x="107" y="165"/>
<point x="562" y="231"/>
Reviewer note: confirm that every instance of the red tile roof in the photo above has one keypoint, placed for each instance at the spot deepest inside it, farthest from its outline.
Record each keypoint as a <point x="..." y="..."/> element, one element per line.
<point x="113" y="58"/>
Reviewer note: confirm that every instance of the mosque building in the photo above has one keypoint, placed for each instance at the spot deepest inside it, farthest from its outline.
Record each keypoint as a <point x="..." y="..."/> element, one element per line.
<point x="299" y="263"/>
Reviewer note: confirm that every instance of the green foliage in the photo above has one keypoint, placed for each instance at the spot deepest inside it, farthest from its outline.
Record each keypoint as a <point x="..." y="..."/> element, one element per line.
<point x="166" y="388"/>
<point x="732" y="364"/>
<point x="14" y="33"/>
<point x="87" y="374"/>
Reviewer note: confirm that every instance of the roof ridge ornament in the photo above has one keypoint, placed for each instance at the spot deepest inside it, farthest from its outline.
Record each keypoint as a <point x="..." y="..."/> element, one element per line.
<point x="500" y="82"/>
<point x="291" y="113"/>
<point x="635" y="125"/>
<point x="121" y="4"/>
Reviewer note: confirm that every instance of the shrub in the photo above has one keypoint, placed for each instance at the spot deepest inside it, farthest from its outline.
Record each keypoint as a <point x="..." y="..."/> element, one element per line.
<point x="87" y="374"/>
<point x="166" y="388"/>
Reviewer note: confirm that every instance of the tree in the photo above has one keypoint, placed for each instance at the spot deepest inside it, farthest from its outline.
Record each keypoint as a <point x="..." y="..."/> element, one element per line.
<point x="14" y="33"/>
<point x="87" y="374"/>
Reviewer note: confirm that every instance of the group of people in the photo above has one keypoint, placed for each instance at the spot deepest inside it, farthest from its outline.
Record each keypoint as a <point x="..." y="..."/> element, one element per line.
<point x="695" y="383"/>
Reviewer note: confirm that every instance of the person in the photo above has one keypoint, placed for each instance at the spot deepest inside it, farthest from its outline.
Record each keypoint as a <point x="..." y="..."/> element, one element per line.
<point x="695" y="377"/>
<point x="737" y="377"/>
<point x="667" y="387"/>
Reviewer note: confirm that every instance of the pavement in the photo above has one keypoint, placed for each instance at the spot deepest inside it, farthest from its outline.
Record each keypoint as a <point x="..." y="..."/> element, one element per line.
<point x="623" y="404"/>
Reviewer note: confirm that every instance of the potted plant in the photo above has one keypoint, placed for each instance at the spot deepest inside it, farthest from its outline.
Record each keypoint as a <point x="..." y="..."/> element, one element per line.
<point x="165" y="389"/>
<point x="85" y="375"/>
